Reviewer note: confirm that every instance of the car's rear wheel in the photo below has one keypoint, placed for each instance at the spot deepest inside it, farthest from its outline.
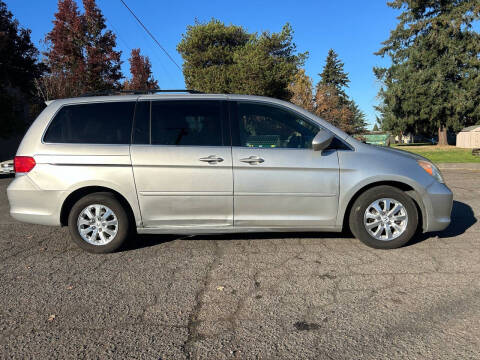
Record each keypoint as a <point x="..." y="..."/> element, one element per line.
<point x="384" y="217"/>
<point x="98" y="223"/>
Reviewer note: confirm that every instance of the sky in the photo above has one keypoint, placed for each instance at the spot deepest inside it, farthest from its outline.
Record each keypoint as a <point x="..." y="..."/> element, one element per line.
<point x="354" y="29"/>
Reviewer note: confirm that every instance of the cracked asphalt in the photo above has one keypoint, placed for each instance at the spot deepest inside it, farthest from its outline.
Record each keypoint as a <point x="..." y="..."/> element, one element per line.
<point x="292" y="296"/>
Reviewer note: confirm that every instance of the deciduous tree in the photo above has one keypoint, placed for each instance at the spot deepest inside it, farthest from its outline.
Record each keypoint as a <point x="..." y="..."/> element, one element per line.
<point x="301" y="89"/>
<point x="141" y="70"/>
<point x="81" y="54"/>
<point x="102" y="60"/>
<point x="65" y="56"/>
<point x="328" y="106"/>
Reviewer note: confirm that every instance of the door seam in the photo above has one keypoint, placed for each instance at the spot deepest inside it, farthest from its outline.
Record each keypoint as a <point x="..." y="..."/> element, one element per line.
<point x="136" y="190"/>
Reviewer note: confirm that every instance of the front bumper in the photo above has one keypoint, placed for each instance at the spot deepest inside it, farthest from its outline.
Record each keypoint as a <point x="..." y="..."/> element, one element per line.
<point x="29" y="203"/>
<point x="438" y="202"/>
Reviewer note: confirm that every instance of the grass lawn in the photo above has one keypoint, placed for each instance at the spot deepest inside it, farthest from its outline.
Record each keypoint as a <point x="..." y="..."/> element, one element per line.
<point x="441" y="154"/>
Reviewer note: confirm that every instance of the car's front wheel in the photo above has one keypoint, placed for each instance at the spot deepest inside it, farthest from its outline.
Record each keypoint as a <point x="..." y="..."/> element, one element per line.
<point x="98" y="223"/>
<point x="384" y="217"/>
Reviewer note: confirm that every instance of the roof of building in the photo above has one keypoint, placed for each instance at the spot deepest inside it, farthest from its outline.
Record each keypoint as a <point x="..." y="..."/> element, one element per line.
<point x="472" y="128"/>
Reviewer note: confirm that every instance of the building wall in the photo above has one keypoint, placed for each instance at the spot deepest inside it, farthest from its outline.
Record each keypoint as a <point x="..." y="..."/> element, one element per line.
<point x="469" y="139"/>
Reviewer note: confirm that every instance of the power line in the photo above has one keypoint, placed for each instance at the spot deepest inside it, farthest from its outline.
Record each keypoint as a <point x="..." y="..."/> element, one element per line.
<point x="149" y="33"/>
<point x="149" y="45"/>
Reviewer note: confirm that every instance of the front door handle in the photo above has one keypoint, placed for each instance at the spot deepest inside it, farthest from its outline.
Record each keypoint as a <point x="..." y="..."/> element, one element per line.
<point x="212" y="159"/>
<point x="253" y="160"/>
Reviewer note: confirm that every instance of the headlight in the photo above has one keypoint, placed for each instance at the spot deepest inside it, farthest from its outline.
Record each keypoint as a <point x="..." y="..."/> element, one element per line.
<point x="431" y="170"/>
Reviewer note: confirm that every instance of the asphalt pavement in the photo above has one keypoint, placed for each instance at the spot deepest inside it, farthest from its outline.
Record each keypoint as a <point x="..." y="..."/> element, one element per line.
<point x="257" y="296"/>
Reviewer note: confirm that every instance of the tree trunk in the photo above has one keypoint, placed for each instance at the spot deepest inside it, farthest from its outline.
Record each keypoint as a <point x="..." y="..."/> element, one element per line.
<point x="442" y="136"/>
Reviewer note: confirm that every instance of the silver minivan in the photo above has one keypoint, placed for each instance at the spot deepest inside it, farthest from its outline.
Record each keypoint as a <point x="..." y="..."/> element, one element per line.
<point x="107" y="166"/>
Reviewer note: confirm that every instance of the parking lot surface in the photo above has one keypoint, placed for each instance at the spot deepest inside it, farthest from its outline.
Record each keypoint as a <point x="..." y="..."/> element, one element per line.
<point x="312" y="296"/>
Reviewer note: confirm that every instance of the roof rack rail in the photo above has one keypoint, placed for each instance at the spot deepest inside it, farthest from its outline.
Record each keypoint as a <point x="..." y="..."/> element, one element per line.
<point x="137" y="92"/>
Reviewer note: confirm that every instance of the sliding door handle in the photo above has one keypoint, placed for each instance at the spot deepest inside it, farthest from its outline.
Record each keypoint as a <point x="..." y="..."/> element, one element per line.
<point x="253" y="160"/>
<point x="212" y="159"/>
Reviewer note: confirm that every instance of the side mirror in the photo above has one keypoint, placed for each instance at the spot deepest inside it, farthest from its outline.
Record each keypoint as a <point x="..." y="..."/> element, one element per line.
<point x="322" y="140"/>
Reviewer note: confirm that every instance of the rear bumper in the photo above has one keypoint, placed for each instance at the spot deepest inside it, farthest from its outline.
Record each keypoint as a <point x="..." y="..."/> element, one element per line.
<point x="30" y="204"/>
<point x="438" y="202"/>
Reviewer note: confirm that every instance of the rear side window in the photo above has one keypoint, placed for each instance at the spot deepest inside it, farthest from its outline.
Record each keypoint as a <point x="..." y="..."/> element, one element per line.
<point x="97" y="123"/>
<point x="196" y="123"/>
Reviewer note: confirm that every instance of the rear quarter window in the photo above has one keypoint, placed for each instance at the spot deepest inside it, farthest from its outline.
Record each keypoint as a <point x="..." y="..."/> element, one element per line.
<point x="96" y="123"/>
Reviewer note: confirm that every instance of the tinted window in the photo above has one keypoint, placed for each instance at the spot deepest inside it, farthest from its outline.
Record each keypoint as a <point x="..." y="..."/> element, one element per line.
<point x="338" y="144"/>
<point x="186" y="123"/>
<point x="141" y="125"/>
<point x="267" y="126"/>
<point x="100" y="123"/>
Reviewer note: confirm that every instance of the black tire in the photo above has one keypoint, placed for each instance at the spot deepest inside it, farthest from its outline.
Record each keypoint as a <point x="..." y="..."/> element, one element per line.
<point x="356" y="219"/>
<point x="107" y="199"/>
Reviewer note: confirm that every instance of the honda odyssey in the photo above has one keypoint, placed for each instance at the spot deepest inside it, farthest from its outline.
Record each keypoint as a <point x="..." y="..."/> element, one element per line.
<point x="107" y="166"/>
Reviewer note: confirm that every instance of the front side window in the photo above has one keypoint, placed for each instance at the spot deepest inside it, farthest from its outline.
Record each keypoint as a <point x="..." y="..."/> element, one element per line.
<point x="95" y="123"/>
<point x="183" y="122"/>
<point x="267" y="126"/>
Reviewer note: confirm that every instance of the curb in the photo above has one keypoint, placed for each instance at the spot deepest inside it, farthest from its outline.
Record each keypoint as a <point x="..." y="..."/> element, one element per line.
<point x="459" y="166"/>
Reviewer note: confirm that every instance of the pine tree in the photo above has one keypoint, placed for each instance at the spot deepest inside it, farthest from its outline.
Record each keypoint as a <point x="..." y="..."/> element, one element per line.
<point x="18" y="70"/>
<point x="434" y="80"/>
<point x="301" y="89"/>
<point x="375" y="127"/>
<point x="359" y="121"/>
<point x="227" y="59"/>
<point x="208" y="52"/>
<point x="333" y="74"/>
<point x="331" y="101"/>
<point x="140" y="68"/>
<point x="267" y="64"/>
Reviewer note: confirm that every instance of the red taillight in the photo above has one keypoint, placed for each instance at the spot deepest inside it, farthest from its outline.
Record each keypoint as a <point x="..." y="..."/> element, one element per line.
<point x="23" y="164"/>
